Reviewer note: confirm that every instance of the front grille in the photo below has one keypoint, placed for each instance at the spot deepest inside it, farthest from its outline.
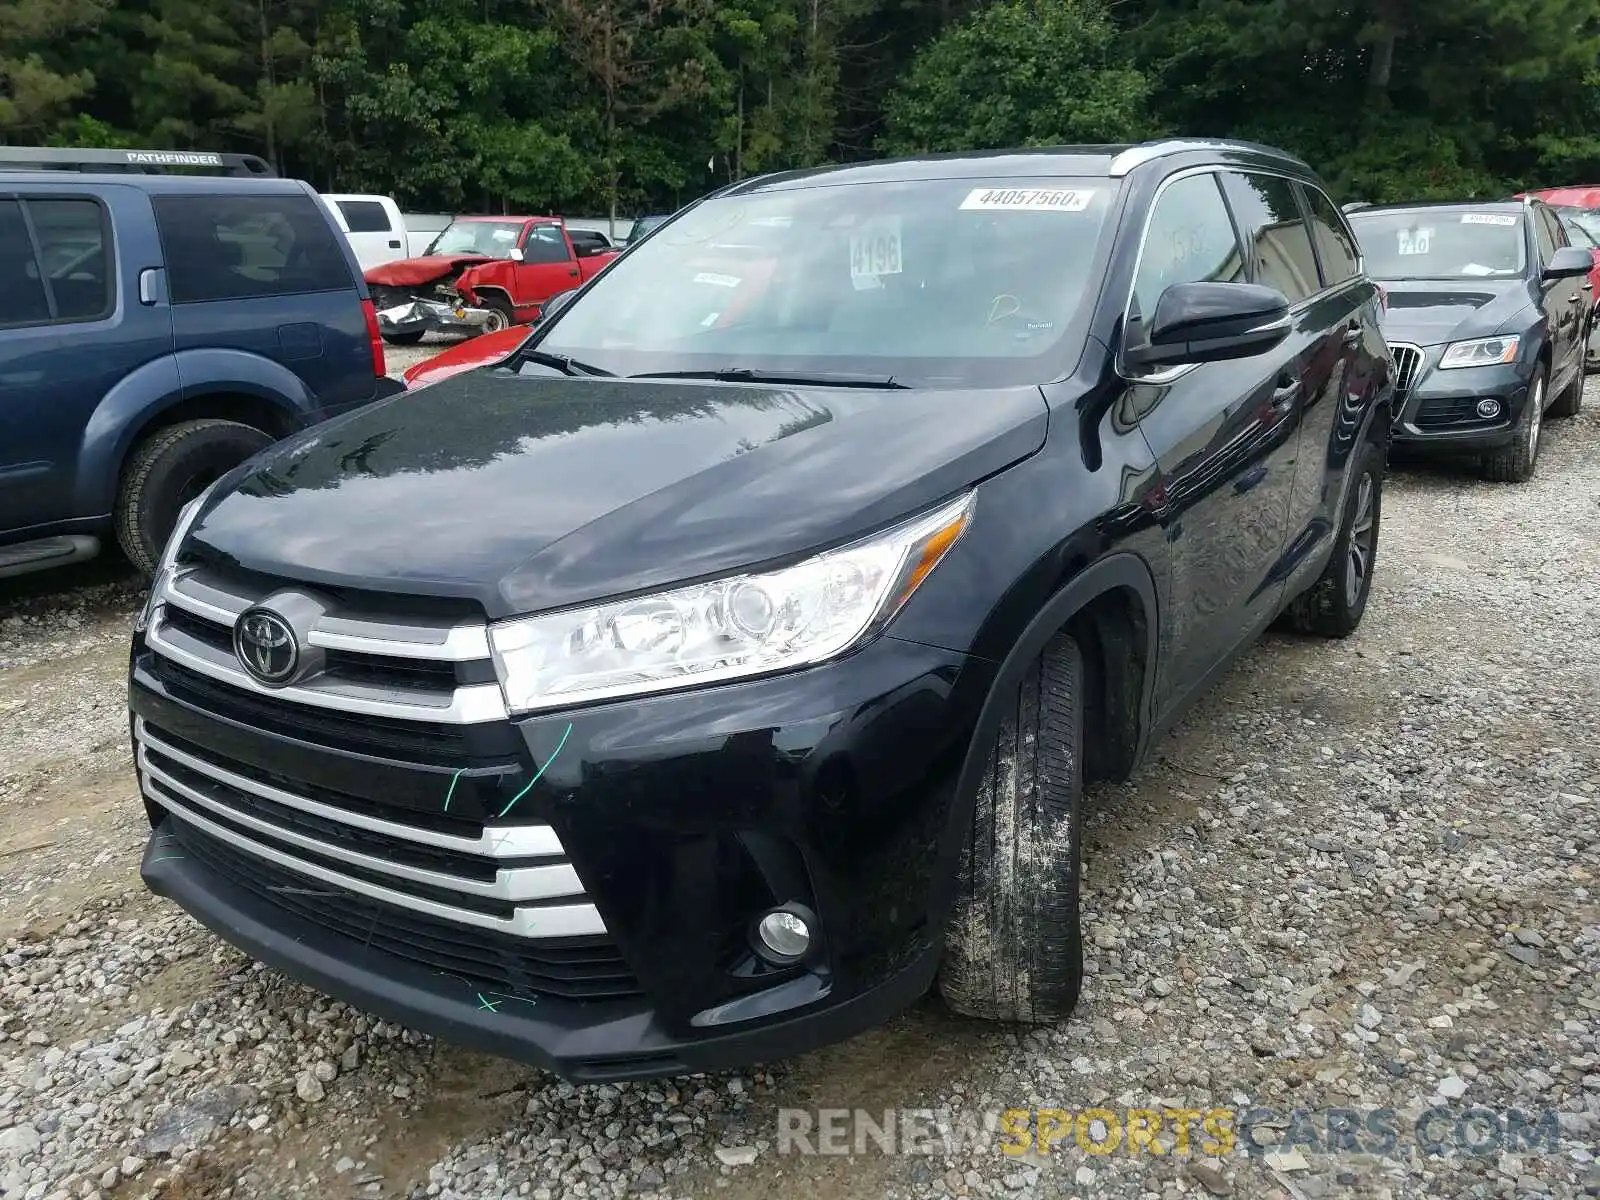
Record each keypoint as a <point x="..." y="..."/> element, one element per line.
<point x="574" y="968"/>
<point x="1407" y="364"/>
<point x="1449" y="412"/>
<point x="377" y="660"/>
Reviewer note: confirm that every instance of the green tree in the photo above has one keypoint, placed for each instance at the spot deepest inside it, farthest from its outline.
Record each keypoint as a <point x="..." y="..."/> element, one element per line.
<point x="1020" y="73"/>
<point x="40" y="78"/>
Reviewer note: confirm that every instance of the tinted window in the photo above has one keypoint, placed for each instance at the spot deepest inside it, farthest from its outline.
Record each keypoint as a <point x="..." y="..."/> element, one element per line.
<point x="1335" y="247"/>
<point x="364" y="216"/>
<point x="545" y="244"/>
<point x="1280" y="244"/>
<point x="1440" y="242"/>
<point x="953" y="282"/>
<point x="1547" y="241"/>
<point x="1558" y="235"/>
<point x="234" y="247"/>
<point x="22" y="299"/>
<point x="1190" y="238"/>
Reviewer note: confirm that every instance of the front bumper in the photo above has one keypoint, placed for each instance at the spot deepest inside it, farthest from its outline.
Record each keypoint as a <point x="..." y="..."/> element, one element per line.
<point x="685" y="817"/>
<point x="430" y="316"/>
<point x="1439" y="409"/>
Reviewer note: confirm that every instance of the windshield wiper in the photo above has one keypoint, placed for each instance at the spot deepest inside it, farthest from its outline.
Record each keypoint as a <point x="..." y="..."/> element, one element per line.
<point x="751" y="375"/>
<point x="564" y="363"/>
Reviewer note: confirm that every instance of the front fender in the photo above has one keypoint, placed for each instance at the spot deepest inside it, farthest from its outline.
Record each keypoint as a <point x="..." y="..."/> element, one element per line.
<point x="140" y="397"/>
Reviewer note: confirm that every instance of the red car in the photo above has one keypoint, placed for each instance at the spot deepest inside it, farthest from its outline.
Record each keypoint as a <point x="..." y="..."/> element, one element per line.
<point x="483" y="274"/>
<point x="1578" y="209"/>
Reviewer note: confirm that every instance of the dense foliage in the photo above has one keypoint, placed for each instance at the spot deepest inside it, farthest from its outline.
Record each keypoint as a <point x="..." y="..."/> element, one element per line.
<point x="554" y="105"/>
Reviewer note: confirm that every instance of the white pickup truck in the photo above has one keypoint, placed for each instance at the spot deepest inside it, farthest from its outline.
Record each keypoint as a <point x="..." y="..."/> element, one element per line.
<point x="379" y="232"/>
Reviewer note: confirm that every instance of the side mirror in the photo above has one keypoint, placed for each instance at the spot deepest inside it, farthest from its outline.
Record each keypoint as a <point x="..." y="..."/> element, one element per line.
<point x="1210" y="322"/>
<point x="516" y="254"/>
<point x="556" y="303"/>
<point x="1567" y="262"/>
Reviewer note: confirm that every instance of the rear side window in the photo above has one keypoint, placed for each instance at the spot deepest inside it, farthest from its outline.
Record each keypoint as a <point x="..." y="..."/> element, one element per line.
<point x="1190" y="239"/>
<point x="22" y="298"/>
<point x="545" y="245"/>
<point x="1336" y="249"/>
<point x="221" y="247"/>
<point x="1280" y="244"/>
<point x="61" y="270"/>
<point x="1547" y="238"/>
<point x="364" y="216"/>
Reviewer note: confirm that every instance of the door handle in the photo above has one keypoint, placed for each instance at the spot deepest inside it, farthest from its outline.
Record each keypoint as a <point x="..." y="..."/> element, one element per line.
<point x="1588" y="287"/>
<point x="1286" y="393"/>
<point x="149" y="285"/>
<point x="572" y="270"/>
<point x="1352" y="337"/>
<point x="394" y="243"/>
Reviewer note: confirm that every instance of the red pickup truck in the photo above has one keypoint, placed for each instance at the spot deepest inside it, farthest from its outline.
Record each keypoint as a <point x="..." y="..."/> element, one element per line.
<point x="483" y="274"/>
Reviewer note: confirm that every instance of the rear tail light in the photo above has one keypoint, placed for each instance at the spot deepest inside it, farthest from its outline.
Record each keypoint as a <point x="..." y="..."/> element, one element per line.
<point x="379" y="368"/>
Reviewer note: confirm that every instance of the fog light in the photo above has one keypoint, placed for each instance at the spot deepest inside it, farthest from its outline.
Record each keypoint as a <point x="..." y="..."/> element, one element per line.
<point x="784" y="936"/>
<point x="1488" y="409"/>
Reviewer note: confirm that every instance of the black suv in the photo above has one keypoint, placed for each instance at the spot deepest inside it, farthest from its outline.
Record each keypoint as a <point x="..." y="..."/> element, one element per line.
<point x="156" y="329"/>
<point x="1488" y="316"/>
<point x="696" y="684"/>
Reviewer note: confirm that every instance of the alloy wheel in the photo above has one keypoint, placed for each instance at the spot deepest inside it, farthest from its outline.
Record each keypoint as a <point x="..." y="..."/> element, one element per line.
<point x="1363" y="534"/>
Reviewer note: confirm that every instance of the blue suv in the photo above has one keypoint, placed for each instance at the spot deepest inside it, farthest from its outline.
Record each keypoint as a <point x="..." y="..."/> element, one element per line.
<point x="156" y="329"/>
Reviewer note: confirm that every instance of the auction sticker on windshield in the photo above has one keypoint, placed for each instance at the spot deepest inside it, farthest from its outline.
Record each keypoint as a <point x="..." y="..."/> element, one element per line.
<point x="875" y="251"/>
<point x="1029" y="199"/>
<point x="1415" y="241"/>
<point x="1488" y="219"/>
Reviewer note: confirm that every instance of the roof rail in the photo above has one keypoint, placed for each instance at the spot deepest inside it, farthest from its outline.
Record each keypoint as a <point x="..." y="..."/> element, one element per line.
<point x="150" y="162"/>
<point x="1136" y="156"/>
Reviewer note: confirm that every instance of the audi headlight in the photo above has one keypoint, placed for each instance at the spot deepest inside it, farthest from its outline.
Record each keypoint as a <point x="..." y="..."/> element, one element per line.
<point x="169" y="559"/>
<point x="730" y="628"/>
<point x="1480" y="352"/>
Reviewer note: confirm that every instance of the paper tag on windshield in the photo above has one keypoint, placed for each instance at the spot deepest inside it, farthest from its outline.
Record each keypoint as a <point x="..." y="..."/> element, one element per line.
<point x="727" y="281"/>
<point x="1488" y="219"/>
<point x="503" y="235"/>
<point x="1028" y="199"/>
<point x="875" y="252"/>
<point x="1415" y="241"/>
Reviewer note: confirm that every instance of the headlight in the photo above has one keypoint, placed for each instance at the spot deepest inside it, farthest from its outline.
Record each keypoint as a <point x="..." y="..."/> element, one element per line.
<point x="727" y="629"/>
<point x="1480" y="352"/>
<point x="169" y="557"/>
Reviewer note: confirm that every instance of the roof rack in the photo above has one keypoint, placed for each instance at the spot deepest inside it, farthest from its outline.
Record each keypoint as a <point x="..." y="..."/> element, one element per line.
<point x="144" y="162"/>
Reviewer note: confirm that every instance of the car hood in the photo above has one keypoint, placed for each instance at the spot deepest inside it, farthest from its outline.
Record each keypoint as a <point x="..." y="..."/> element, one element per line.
<point x="1428" y="312"/>
<point x="409" y="272"/>
<point x="485" y="350"/>
<point x="532" y="494"/>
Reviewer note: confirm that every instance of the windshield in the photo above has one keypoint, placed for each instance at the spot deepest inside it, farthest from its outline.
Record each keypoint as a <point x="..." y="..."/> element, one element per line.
<point x="949" y="281"/>
<point x="1440" y="243"/>
<point x="493" y="238"/>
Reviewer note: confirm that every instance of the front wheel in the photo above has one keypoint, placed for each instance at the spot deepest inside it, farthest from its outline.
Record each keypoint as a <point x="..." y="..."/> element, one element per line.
<point x="1013" y="950"/>
<point x="1333" y="606"/>
<point x="501" y="314"/>
<point x="1514" y="463"/>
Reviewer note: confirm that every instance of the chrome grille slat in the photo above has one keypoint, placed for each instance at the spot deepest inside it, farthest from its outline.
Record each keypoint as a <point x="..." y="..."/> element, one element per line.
<point x="1407" y="365"/>
<point x="375" y="682"/>
<point x="511" y="841"/>
<point x="466" y="705"/>
<point x="568" y="920"/>
<point x="512" y="884"/>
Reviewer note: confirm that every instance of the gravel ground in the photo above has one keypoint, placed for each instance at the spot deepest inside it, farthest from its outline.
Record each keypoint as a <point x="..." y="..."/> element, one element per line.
<point x="1359" y="876"/>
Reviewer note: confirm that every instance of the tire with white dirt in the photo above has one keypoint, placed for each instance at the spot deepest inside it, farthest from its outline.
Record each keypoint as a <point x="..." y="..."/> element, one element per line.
<point x="1013" y="949"/>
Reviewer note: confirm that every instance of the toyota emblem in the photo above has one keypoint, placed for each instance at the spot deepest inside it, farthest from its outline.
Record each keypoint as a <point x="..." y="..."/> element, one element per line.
<point x="266" y="646"/>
